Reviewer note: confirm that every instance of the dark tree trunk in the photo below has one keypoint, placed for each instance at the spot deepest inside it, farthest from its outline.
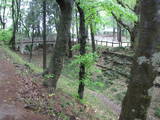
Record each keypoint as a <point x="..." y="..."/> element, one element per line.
<point x="70" y="48"/>
<point x="12" y="42"/>
<point x="77" y="31"/>
<point x="44" y="36"/>
<point x="31" y="47"/>
<point x="132" y="40"/>
<point x="63" y="36"/>
<point x="15" y="18"/>
<point x="83" y="37"/>
<point x="92" y="38"/>
<point x="2" y="18"/>
<point x="119" y="34"/>
<point x="114" y="33"/>
<point x="137" y="99"/>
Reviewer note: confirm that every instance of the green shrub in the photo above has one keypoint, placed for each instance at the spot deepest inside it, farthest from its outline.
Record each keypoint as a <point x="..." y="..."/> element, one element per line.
<point x="157" y="112"/>
<point x="5" y="36"/>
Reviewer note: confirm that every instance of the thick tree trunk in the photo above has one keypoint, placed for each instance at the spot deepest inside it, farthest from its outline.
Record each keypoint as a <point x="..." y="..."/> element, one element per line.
<point x="63" y="36"/>
<point x="15" y="18"/>
<point x="83" y="37"/>
<point x="92" y="39"/>
<point x="44" y="36"/>
<point x="137" y="99"/>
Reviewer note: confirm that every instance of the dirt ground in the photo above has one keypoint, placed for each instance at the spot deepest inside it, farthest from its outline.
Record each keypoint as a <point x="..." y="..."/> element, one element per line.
<point x="10" y="106"/>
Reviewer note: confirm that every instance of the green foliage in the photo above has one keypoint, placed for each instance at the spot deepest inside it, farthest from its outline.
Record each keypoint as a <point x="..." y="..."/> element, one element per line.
<point x="99" y="12"/>
<point x="76" y="47"/>
<point x="49" y="76"/>
<point x="88" y="60"/>
<point x="5" y="36"/>
<point x="157" y="112"/>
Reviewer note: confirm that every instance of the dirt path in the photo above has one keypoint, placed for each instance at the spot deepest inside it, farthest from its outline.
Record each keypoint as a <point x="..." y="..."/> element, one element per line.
<point x="116" y="109"/>
<point x="10" y="106"/>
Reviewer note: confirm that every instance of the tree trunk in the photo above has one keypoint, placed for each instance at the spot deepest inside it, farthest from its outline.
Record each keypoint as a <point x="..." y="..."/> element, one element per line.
<point x="114" y="33"/>
<point x="63" y="36"/>
<point x="12" y="42"/>
<point x="119" y="34"/>
<point x="83" y="37"/>
<point x="15" y="18"/>
<point x="143" y="74"/>
<point x="70" y="48"/>
<point x="77" y="31"/>
<point x="31" y="47"/>
<point x="44" y="36"/>
<point x="92" y="38"/>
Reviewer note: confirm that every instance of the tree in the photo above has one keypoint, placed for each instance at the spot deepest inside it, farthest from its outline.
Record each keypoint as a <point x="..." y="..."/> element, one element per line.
<point x="133" y="25"/>
<point x="119" y="34"/>
<point x="145" y="64"/>
<point x="16" y="4"/>
<point x="63" y="36"/>
<point x="82" y="39"/>
<point x="3" y="7"/>
<point x="92" y="38"/>
<point x="44" y="35"/>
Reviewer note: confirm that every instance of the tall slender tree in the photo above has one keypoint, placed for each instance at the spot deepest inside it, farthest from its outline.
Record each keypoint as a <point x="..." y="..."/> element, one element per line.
<point x="145" y="64"/>
<point x="92" y="38"/>
<point x="82" y="39"/>
<point x="44" y="36"/>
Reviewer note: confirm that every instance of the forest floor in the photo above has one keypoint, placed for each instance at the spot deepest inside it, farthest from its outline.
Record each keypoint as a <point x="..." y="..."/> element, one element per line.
<point x="10" y="106"/>
<point x="23" y="97"/>
<point x="99" y="103"/>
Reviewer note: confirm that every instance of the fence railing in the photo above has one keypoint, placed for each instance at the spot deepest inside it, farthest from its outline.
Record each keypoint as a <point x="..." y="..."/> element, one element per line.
<point x="97" y="42"/>
<point x="112" y="44"/>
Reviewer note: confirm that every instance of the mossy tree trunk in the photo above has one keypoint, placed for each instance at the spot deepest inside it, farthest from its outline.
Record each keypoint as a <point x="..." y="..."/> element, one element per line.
<point x="137" y="99"/>
<point x="63" y="36"/>
<point x="16" y="4"/>
<point x="82" y="39"/>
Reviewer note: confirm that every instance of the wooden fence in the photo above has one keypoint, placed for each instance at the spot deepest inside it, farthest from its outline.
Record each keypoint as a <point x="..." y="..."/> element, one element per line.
<point x="112" y="44"/>
<point x="97" y="42"/>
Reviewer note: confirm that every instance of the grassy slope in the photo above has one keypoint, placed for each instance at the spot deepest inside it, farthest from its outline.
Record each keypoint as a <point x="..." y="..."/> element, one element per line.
<point x="69" y="86"/>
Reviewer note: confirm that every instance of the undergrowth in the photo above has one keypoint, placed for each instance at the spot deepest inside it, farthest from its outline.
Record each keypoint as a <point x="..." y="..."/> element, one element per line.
<point x="17" y="59"/>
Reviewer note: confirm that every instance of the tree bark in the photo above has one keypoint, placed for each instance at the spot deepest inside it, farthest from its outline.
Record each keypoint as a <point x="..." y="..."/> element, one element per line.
<point x="143" y="74"/>
<point x="77" y="31"/>
<point x="70" y="48"/>
<point x="114" y="33"/>
<point x="63" y="36"/>
<point x="83" y="37"/>
<point x="92" y="38"/>
<point x="44" y="36"/>
<point x="15" y="18"/>
<point x="119" y="34"/>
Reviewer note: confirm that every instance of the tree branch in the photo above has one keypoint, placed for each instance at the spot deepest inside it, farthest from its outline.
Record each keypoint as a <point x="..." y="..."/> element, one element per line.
<point x="124" y="5"/>
<point x="121" y="23"/>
